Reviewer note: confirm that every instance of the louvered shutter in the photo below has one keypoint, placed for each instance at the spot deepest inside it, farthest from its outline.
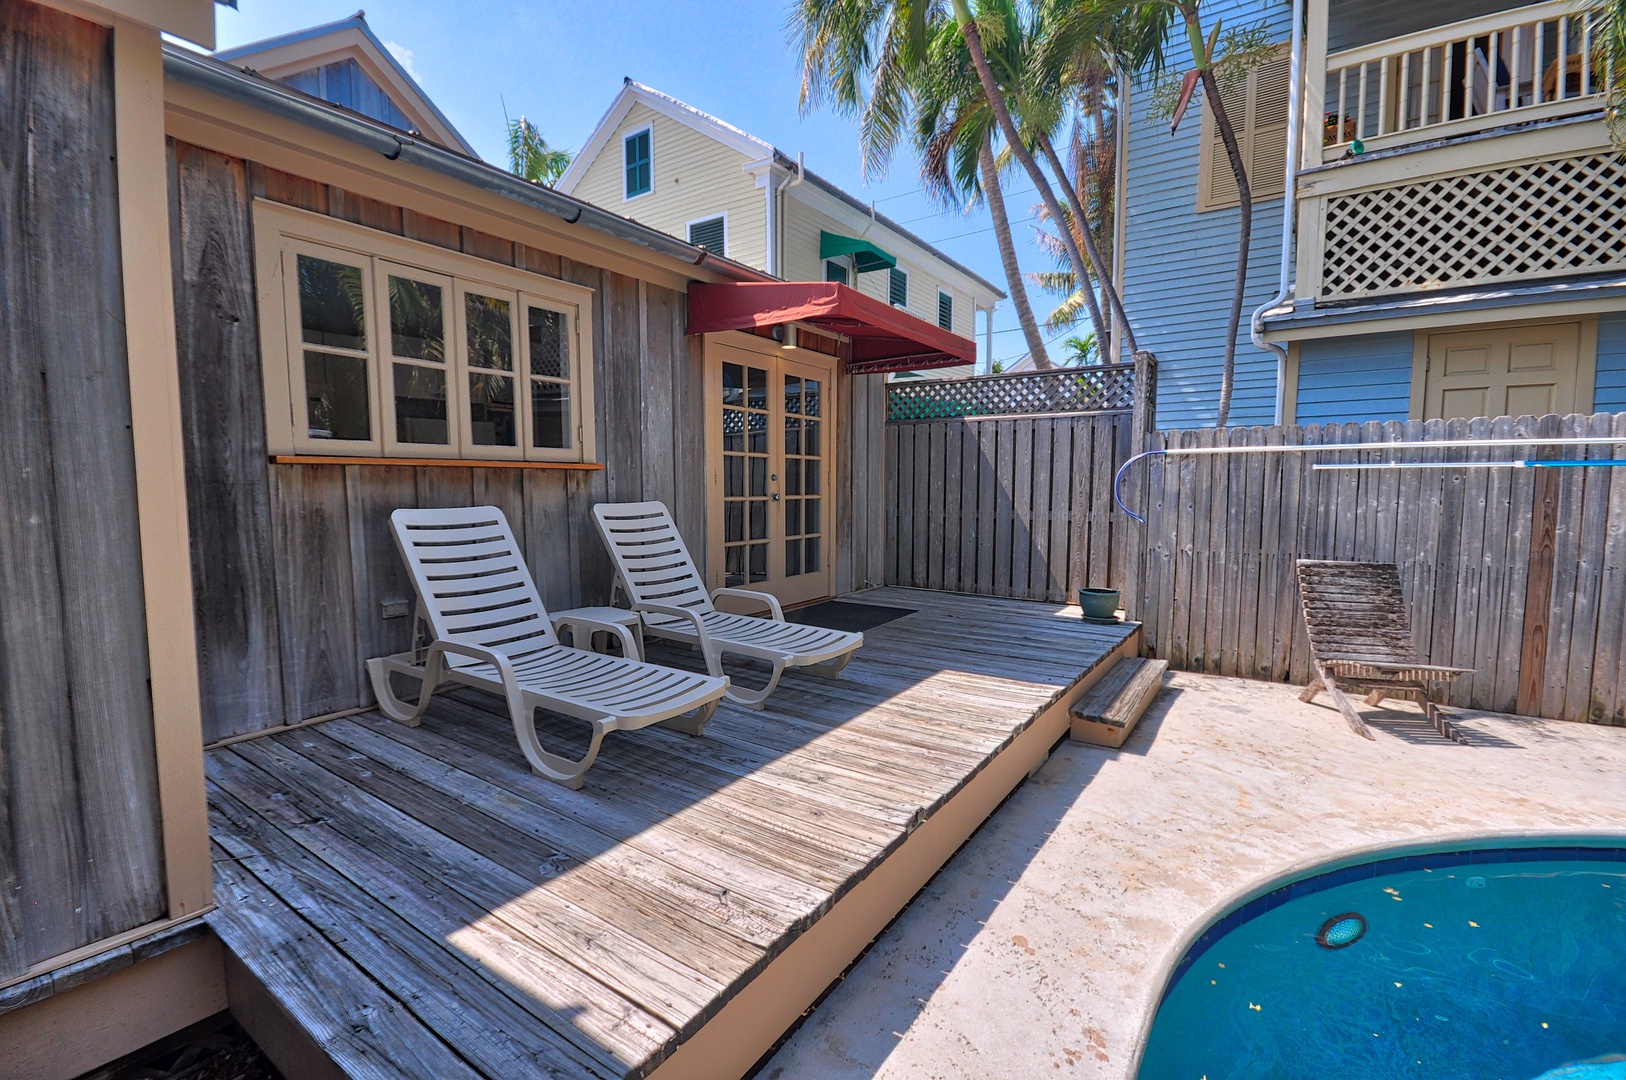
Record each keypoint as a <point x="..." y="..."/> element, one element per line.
<point x="945" y="311"/>
<point x="709" y="234"/>
<point x="1267" y="147"/>
<point x="1258" y="108"/>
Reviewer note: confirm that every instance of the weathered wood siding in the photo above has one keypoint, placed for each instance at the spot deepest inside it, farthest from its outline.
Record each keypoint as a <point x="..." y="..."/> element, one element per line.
<point x="292" y="563"/>
<point x="1519" y="574"/>
<point x="80" y="848"/>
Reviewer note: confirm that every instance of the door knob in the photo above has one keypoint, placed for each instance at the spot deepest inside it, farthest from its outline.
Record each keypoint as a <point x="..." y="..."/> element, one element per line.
<point x="775" y="496"/>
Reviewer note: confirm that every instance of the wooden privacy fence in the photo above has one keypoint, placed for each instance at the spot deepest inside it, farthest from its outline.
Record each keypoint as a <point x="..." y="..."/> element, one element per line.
<point x="1517" y="573"/>
<point x="1018" y="508"/>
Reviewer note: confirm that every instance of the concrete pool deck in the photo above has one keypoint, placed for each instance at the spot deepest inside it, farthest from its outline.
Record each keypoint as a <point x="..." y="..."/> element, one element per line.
<point x="1042" y="947"/>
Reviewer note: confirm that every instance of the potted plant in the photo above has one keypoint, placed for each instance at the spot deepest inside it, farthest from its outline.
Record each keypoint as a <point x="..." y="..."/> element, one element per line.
<point x="1100" y="605"/>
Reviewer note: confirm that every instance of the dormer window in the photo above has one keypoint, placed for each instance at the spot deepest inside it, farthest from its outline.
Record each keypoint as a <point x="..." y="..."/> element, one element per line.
<point x="635" y="151"/>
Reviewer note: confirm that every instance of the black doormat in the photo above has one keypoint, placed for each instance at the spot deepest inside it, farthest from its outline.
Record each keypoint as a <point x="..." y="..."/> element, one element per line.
<point x="842" y="615"/>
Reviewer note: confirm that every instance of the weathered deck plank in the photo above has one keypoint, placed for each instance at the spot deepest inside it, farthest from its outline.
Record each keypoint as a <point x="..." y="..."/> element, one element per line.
<point x="591" y="932"/>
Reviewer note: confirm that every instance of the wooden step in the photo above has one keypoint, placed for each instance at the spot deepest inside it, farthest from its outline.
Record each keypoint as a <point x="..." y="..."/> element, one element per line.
<point x="1109" y="712"/>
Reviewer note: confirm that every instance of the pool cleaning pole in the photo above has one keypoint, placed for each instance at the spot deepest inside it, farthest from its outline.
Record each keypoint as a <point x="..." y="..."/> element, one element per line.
<point x="1527" y="463"/>
<point x="1382" y="447"/>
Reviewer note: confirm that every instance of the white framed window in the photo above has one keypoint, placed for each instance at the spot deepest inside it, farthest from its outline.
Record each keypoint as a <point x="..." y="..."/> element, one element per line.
<point x="379" y="346"/>
<point x="945" y="310"/>
<point x="898" y="288"/>
<point x="638" y="162"/>
<point x="836" y="271"/>
<point x="710" y="233"/>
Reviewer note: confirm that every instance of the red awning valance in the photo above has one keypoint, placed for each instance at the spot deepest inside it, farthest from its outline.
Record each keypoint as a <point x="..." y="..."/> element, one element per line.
<point x="884" y="338"/>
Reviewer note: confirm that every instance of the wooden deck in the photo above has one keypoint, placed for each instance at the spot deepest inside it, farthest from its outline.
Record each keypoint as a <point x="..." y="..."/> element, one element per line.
<point x="417" y="903"/>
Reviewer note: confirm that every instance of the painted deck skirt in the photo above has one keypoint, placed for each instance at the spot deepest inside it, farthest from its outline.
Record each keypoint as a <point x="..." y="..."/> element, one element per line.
<point x="414" y="901"/>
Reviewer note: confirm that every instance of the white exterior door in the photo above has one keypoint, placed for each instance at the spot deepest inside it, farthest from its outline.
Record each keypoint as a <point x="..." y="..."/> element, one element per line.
<point x="770" y="432"/>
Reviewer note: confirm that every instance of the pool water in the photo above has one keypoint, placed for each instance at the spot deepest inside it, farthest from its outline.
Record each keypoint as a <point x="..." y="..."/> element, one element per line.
<point x="1471" y="971"/>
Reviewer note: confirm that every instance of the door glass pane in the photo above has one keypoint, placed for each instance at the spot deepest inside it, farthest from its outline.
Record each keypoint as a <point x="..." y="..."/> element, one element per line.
<point x="803" y="470"/>
<point x="491" y="410"/>
<point x="745" y="421"/>
<point x="550" y="414"/>
<point x="417" y="320"/>
<point x="490" y="332"/>
<point x="420" y="404"/>
<point x="336" y="396"/>
<point x="332" y="308"/>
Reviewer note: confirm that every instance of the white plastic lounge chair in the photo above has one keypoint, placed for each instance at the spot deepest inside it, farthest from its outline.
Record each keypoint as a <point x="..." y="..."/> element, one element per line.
<point x="653" y="568"/>
<point x="481" y="623"/>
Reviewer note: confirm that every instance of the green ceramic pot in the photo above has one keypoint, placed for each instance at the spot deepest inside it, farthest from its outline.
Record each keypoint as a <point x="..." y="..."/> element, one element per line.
<point x="1100" y="605"/>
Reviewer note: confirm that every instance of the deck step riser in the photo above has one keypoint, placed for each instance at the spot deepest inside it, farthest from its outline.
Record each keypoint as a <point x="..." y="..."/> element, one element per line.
<point x="1108" y="714"/>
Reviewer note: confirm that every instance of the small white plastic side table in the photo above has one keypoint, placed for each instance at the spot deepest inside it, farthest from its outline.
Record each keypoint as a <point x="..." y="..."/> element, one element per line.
<point x="593" y="621"/>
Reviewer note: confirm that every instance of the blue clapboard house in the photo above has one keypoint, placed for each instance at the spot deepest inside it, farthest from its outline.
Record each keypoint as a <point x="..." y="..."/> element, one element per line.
<point x="1459" y="243"/>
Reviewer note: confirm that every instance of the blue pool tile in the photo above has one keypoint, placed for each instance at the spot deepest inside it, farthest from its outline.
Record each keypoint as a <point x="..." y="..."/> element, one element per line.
<point x="1490" y="855"/>
<point x="1363" y="872"/>
<point x="1452" y="858"/>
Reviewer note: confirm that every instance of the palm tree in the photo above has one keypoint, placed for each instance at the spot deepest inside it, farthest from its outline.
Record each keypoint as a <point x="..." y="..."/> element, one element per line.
<point x="530" y="156"/>
<point x="1218" y="64"/>
<point x="1080" y="350"/>
<point x="865" y="54"/>
<point x="954" y="134"/>
<point x="1609" y="31"/>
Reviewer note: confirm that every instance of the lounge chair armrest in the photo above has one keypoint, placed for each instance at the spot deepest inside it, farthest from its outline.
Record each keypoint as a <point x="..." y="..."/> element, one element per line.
<point x="769" y="600"/>
<point x="504" y="666"/>
<point x="679" y="612"/>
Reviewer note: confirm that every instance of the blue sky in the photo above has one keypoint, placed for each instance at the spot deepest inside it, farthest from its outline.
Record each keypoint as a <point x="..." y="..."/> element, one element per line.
<point x="561" y="63"/>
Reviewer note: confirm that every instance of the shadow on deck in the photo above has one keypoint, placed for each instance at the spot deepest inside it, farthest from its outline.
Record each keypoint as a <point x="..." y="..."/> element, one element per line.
<point x="414" y="901"/>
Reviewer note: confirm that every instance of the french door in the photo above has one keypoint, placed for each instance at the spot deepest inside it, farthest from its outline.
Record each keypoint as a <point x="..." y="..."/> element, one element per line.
<point x="771" y="438"/>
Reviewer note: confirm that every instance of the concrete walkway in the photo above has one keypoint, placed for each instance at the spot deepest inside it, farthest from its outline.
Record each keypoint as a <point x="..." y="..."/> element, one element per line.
<point x="1042" y="948"/>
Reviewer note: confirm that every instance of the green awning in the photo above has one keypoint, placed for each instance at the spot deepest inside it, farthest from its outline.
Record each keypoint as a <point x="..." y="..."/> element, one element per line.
<point x="866" y="256"/>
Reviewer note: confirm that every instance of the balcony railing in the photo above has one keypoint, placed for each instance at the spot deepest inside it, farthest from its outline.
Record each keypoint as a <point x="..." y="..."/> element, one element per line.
<point x="1528" y="63"/>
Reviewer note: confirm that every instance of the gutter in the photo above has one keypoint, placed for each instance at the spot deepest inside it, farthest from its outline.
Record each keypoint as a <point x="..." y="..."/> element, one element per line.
<point x="233" y="84"/>
<point x="1290" y="207"/>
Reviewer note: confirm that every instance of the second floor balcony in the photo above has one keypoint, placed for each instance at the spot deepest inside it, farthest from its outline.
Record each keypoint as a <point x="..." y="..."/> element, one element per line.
<point x="1464" y="154"/>
<point x="1519" y="65"/>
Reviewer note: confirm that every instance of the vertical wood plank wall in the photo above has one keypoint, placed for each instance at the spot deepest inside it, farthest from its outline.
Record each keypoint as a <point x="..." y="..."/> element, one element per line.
<point x="292" y="563"/>
<point x="1518" y="573"/>
<point x="80" y="846"/>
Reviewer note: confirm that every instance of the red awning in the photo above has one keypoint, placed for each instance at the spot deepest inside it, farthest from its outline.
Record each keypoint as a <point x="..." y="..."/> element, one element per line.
<point x="884" y="338"/>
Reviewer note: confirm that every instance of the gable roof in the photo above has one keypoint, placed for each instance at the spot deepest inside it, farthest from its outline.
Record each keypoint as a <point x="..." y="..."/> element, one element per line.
<point x="636" y="93"/>
<point x="303" y="50"/>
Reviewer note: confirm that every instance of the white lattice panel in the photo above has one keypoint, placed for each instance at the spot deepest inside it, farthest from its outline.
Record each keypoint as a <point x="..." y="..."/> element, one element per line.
<point x="1537" y="220"/>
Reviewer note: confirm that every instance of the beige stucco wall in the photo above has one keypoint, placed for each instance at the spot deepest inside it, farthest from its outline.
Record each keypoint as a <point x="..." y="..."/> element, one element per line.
<point x="693" y="176"/>
<point x="803" y="223"/>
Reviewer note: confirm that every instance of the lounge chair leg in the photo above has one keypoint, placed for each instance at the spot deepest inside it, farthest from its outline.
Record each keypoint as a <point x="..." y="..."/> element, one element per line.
<point x="754" y="699"/>
<point x="1309" y="692"/>
<point x="830" y="669"/>
<point x="1375" y="698"/>
<point x="1347" y="708"/>
<point x="692" y="723"/>
<point x="560" y="770"/>
<point x="379" y="671"/>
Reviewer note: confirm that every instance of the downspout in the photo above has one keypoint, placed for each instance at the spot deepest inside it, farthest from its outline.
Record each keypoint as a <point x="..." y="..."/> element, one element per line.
<point x="773" y="238"/>
<point x="1290" y="206"/>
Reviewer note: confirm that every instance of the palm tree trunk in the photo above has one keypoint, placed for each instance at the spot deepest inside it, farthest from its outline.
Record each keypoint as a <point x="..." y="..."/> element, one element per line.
<point x="1007" y="255"/>
<point x="1102" y="273"/>
<point x="1013" y="139"/>
<point x="1240" y="287"/>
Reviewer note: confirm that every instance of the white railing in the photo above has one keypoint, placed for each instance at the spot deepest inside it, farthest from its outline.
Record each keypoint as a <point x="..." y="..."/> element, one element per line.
<point x="1524" y="64"/>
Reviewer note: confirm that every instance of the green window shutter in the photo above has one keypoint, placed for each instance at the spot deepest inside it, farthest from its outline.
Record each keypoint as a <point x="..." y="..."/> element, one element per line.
<point x="945" y="311"/>
<point x="635" y="152"/>
<point x="899" y="292"/>
<point x="834" y="271"/>
<point x="709" y="234"/>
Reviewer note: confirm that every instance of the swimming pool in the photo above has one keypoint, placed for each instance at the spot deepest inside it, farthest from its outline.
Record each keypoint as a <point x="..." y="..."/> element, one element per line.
<point x="1501" y="964"/>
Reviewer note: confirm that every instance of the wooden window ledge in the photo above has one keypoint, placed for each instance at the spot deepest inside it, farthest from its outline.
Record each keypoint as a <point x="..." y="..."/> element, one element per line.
<point x="458" y="463"/>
